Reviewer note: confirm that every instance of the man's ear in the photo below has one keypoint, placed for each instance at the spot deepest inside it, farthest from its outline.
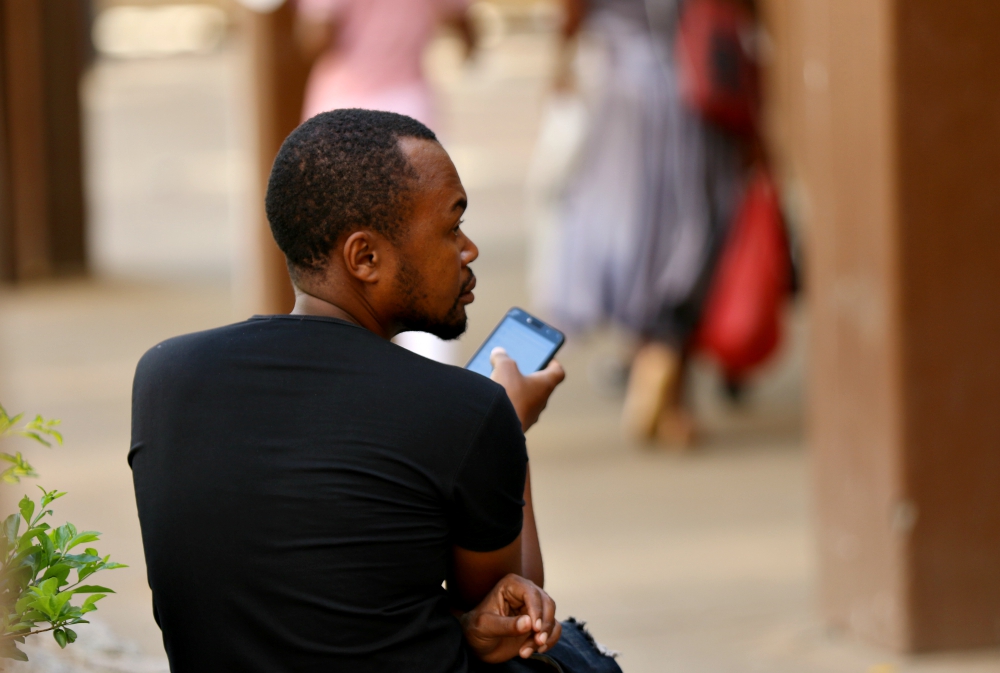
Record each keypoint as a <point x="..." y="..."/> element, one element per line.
<point x="363" y="252"/>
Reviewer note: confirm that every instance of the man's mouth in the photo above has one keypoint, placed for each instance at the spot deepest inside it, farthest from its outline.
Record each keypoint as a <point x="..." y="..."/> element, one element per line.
<point x="466" y="296"/>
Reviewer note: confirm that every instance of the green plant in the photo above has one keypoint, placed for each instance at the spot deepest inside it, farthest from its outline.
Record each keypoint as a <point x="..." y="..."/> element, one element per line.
<point x="36" y="594"/>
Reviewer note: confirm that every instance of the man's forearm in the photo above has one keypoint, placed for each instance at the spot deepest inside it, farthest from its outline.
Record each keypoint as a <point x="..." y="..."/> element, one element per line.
<point x="531" y="552"/>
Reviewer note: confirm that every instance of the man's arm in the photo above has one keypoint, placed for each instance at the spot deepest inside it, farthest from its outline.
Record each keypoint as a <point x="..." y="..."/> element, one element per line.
<point x="477" y="576"/>
<point x="531" y="552"/>
<point x="529" y="395"/>
<point x="474" y="574"/>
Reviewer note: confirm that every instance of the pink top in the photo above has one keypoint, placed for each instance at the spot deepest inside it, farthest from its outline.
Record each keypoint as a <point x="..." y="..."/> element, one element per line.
<point x="376" y="54"/>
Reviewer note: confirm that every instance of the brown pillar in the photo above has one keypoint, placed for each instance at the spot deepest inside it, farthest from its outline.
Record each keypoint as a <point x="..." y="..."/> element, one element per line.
<point x="41" y="183"/>
<point x="66" y="52"/>
<point x="896" y="133"/>
<point x="279" y="78"/>
<point x="24" y="138"/>
<point x="948" y="139"/>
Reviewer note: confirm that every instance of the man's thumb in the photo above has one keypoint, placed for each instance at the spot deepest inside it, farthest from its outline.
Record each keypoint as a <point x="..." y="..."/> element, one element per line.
<point x="497" y="356"/>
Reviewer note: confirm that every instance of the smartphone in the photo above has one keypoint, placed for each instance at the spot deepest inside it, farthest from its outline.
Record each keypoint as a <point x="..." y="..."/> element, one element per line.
<point x="528" y="341"/>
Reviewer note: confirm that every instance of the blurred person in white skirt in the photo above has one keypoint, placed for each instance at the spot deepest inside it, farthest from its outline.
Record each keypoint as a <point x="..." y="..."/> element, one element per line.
<point x="638" y="219"/>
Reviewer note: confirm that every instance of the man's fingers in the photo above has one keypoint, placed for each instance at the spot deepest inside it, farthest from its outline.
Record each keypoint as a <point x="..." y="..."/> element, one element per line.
<point x="554" y="638"/>
<point x="490" y="625"/>
<point x="547" y="623"/>
<point x="533" y="600"/>
<point x="553" y="374"/>
<point x="555" y="370"/>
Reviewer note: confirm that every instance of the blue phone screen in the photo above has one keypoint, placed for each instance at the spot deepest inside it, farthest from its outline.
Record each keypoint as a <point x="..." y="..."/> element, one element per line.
<point x="523" y="344"/>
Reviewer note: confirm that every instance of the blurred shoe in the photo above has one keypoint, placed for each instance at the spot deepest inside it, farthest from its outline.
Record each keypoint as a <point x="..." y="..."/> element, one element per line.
<point x="676" y="429"/>
<point x="655" y="369"/>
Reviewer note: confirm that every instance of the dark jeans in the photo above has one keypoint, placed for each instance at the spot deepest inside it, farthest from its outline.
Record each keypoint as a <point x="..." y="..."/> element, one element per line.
<point x="574" y="653"/>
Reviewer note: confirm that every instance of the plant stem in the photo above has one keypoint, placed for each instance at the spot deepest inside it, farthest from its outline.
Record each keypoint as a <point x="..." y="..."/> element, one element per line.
<point x="11" y="636"/>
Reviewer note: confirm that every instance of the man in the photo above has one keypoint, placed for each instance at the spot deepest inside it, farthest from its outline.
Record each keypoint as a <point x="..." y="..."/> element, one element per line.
<point x="304" y="485"/>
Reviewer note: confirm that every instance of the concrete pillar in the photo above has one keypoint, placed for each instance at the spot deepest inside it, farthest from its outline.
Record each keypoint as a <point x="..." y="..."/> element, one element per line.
<point x="894" y="127"/>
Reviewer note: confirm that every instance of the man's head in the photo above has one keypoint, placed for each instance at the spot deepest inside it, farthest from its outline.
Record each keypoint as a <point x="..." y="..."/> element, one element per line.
<point x="366" y="206"/>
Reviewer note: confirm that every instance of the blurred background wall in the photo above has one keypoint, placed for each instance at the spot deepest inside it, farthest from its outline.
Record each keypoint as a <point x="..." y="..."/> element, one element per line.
<point x="883" y="121"/>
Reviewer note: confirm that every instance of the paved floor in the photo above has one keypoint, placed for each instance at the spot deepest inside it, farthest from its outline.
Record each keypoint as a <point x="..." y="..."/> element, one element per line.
<point x="691" y="563"/>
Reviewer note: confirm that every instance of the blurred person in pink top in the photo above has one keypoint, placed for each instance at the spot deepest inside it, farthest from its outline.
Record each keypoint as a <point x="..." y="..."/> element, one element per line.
<point x="368" y="52"/>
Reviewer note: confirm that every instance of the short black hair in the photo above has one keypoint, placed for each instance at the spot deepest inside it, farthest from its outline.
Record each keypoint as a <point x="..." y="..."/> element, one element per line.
<point x="338" y="172"/>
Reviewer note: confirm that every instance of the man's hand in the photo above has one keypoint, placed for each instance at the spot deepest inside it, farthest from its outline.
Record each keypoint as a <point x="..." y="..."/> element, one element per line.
<point x="515" y="619"/>
<point x="529" y="394"/>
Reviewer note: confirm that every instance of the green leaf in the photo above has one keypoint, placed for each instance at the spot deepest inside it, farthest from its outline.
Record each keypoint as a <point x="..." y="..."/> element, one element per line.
<point x="49" y="496"/>
<point x="47" y="588"/>
<point x="91" y="589"/>
<point x="113" y="566"/>
<point x="60" y="637"/>
<point x="35" y="436"/>
<point x="61" y="537"/>
<point x="23" y="603"/>
<point x="70" y="635"/>
<point x="27" y="507"/>
<point x="19" y="576"/>
<point x="59" y="571"/>
<point x="5" y="421"/>
<point x="59" y="603"/>
<point x="8" y="650"/>
<point x="79" y="560"/>
<point x="70" y="613"/>
<point x="30" y="534"/>
<point x="84" y="537"/>
<point x="48" y="549"/>
<point x="88" y="604"/>
<point x="10" y="527"/>
<point x="44" y="605"/>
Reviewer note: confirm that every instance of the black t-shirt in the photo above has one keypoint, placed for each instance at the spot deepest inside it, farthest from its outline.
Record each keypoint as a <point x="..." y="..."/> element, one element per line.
<point x="300" y="482"/>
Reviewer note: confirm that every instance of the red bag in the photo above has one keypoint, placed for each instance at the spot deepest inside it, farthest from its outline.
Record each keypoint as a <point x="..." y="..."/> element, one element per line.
<point x="741" y="324"/>
<point x="717" y="71"/>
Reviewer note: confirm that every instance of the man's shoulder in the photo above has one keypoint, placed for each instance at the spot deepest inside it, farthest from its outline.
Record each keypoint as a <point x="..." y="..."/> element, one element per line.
<point x="449" y="379"/>
<point x="193" y="342"/>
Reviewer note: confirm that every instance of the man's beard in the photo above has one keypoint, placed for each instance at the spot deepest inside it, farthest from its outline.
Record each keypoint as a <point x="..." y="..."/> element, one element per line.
<point x="449" y="327"/>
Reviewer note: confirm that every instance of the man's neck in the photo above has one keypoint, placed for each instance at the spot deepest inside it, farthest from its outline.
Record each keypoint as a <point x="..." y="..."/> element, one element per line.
<point x="309" y="304"/>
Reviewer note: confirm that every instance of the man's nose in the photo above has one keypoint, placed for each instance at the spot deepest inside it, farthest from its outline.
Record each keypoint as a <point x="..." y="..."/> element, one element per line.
<point x="469" y="251"/>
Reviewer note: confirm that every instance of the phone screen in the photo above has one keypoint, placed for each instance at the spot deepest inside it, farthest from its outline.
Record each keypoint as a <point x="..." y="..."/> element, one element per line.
<point x="527" y="340"/>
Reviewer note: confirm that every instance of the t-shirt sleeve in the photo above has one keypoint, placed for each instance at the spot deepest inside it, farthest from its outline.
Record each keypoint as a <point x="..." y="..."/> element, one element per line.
<point x="488" y="493"/>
